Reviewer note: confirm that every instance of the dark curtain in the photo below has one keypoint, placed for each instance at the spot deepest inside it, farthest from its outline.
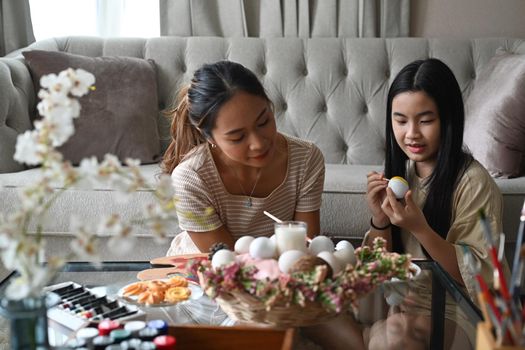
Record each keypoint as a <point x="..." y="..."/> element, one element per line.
<point x="16" y="30"/>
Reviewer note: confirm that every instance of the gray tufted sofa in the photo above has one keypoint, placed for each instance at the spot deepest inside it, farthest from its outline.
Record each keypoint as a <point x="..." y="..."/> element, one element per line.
<point x="330" y="91"/>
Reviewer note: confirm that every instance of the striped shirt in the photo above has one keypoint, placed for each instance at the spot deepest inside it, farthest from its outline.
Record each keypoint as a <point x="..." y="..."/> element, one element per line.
<point x="198" y="187"/>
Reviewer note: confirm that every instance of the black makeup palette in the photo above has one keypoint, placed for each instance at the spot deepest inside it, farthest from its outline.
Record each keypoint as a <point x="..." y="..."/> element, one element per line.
<point x="81" y="307"/>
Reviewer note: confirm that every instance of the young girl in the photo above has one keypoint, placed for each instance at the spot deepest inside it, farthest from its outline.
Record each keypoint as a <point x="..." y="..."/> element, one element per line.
<point x="439" y="215"/>
<point x="229" y="163"/>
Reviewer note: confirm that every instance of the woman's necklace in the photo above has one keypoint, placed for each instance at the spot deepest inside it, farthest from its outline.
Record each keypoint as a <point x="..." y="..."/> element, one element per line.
<point x="248" y="203"/>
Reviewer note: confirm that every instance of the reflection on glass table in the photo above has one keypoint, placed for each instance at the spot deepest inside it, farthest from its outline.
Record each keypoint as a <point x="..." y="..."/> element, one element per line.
<point x="113" y="276"/>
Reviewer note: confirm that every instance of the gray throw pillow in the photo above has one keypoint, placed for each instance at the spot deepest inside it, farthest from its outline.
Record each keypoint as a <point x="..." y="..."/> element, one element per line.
<point x="495" y="116"/>
<point x="119" y="116"/>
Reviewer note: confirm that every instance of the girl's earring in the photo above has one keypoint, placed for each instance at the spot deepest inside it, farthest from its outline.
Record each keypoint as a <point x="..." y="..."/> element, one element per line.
<point x="213" y="145"/>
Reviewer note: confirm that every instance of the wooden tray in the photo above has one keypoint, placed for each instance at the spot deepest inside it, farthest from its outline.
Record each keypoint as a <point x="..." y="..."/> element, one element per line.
<point x="232" y="338"/>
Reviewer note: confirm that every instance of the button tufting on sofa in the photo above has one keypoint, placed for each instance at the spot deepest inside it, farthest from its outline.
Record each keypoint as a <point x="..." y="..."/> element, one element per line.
<point x="351" y="136"/>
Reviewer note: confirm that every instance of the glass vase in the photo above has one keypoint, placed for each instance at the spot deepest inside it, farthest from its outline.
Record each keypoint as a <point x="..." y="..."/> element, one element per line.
<point x="28" y="320"/>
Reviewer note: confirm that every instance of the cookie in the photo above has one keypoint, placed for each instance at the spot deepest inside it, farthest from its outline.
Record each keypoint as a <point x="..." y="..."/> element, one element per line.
<point x="178" y="281"/>
<point x="134" y="289"/>
<point x="177" y="294"/>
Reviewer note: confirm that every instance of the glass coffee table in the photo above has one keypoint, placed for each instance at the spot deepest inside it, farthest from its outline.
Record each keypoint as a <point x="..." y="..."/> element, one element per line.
<point x="110" y="277"/>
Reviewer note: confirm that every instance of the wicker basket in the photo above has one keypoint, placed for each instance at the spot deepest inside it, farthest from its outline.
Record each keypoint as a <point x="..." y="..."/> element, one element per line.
<point x="307" y="298"/>
<point x="246" y="308"/>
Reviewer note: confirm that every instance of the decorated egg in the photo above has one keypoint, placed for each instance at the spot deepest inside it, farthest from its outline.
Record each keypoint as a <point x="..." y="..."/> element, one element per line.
<point x="321" y="244"/>
<point x="343" y="244"/>
<point x="345" y="256"/>
<point x="289" y="258"/>
<point x="242" y="245"/>
<point x="399" y="186"/>
<point x="331" y="260"/>
<point x="222" y="257"/>
<point x="262" y="248"/>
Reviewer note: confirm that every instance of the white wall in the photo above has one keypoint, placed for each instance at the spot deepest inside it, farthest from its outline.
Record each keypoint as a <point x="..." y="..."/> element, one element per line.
<point x="467" y="18"/>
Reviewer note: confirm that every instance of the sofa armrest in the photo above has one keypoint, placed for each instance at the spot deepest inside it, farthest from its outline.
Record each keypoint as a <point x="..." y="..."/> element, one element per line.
<point x="17" y="100"/>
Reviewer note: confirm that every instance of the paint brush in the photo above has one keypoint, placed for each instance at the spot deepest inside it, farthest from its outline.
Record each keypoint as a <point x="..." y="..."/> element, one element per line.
<point x="483" y="289"/>
<point x="498" y="270"/>
<point x="518" y="258"/>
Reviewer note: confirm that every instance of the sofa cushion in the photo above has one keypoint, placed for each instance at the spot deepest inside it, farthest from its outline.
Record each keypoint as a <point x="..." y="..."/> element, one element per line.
<point x="495" y="121"/>
<point x="120" y="114"/>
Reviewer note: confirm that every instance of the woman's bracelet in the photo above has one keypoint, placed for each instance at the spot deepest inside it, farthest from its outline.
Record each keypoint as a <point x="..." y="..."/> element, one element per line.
<point x="377" y="227"/>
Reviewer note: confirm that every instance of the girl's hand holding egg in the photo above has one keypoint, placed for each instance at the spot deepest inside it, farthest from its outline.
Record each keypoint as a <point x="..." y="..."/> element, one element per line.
<point x="399" y="186"/>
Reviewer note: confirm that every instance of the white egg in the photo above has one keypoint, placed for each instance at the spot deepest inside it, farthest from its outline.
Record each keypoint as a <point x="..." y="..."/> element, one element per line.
<point x="343" y="244"/>
<point x="262" y="248"/>
<point x="288" y="258"/>
<point x="399" y="186"/>
<point x="272" y="238"/>
<point x="321" y="244"/>
<point x="331" y="260"/>
<point x="242" y="245"/>
<point x="345" y="256"/>
<point x="222" y="257"/>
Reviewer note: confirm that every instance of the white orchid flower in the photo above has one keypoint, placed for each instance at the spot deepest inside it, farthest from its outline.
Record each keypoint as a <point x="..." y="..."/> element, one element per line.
<point x="165" y="187"/>
<point x="81" y="81"/>
<point x="123" y="242"/>
<point x="19" y="288"/>
<point x="28" y="149"/>
<point x="84" y="245"/>
<point x="56" y="84"/>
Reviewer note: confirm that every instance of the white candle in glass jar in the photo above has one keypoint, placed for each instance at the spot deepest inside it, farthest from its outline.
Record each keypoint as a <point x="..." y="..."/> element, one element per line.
<point x="290" y="235"/>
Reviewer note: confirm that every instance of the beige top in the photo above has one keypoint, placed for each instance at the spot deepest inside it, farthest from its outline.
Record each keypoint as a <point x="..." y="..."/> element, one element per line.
<point x="198" y="186"/>
<point x="475" y="190"/>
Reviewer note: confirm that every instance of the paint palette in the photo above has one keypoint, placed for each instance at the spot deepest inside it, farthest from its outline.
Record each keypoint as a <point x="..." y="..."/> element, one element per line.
<point x="167" y="266"/>
<point x="81" y="306"/>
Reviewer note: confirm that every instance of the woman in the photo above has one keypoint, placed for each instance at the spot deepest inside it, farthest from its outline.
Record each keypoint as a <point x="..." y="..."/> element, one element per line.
<point x="229" y="163"/>
<point x="440" y="214"/>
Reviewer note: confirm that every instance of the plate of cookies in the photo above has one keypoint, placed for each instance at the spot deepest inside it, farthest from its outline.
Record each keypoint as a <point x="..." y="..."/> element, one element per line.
<point x="160" y="292"/>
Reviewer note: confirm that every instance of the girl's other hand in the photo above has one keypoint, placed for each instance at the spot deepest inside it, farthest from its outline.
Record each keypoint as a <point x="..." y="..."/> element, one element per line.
<point x="375" y="195"/>
<point x="404" y="214"/>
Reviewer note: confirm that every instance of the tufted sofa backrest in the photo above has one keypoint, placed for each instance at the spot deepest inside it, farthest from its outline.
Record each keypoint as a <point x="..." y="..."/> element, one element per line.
<point x="328" y="90"/>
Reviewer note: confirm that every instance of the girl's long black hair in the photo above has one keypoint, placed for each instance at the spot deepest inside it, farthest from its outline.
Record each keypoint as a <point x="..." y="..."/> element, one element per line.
<point x="435" y="78"/>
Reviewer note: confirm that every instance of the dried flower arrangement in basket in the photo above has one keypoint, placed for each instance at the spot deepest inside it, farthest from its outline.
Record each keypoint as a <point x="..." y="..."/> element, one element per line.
<point x="308" y="294"/>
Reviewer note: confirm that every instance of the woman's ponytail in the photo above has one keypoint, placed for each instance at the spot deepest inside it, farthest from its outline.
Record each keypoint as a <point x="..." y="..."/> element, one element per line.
<point x="184" y="135"/>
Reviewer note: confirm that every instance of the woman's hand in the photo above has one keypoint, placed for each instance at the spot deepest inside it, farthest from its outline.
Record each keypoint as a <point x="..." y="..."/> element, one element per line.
<point x="375" y="195"/>
<point x="406" y="215"/>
